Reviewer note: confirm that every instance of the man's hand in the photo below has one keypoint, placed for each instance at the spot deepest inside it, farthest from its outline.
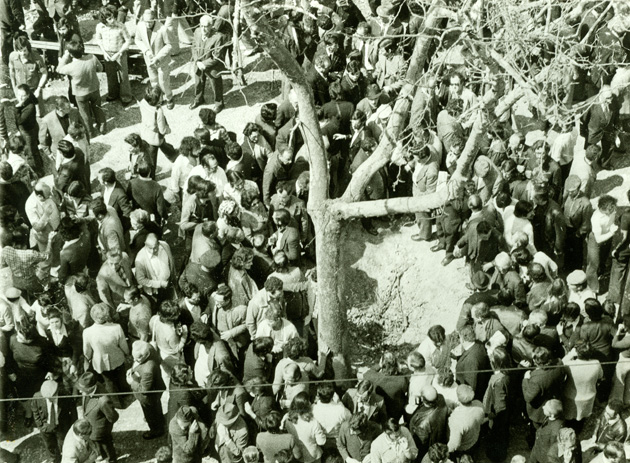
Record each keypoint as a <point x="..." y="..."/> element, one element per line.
<point x="194" y="427"/>
<point x="201" y="66"/>
<point x="528" y="374"/>
<point x="154" y="61"/>
<point x="226" y="335"/>
<point x="340" y="136"/>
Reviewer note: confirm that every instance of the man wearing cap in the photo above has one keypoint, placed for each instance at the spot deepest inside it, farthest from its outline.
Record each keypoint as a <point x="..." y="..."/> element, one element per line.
<point x="188" y="436"/>
<point x="465" y="422"/>
<point x="578" y="211"/>
<point x="231" y="434"/>
<point x="202" y="274"/>
<point x="386" y="21"/>
<point x="578" y="289"/>
<point x="53" y="416"/>
<point x="429" y="422"/>
<point x="145" y="379"/>
<point x="99" y="411"/>
<point x="480" y="282"/>
<point x="13" y="309"/>
<point x="209" y="52"/>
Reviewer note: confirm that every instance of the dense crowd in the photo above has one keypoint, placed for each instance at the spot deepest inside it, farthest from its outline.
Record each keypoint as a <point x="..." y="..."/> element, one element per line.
<point x="107" y="305"/>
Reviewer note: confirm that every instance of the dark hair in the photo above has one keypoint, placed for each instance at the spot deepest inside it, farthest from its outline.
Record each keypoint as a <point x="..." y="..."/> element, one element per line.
<point x="606" y="202"/>
<point x="76" y="189"/>
<point x="107" y="12"/>
<point x="522" y="256"/>
<point x="262" y="346"/>
<point x="283" y="217"/>
<point x="530" y="332"/>
<point x="108" y="175"/>
<point x="16" y="144"/>
<point x="250" y="128"/>
<point x="358" y="422"/>
<point x="500" y="359"/>
<point x="542" y="356"/>
<point x="504" y="199"/>
<point x="522" y="209"/>
<point x="268" y="112"/>
<point x="6" y="171"/>
<point x="143" y="167"/>
<point x="81" y="282"/>
<point x="66" y="148"/>
<point x="22" y="43"/>
<point x="359" y="115"/>
<point x="334" y="90"/>
<point x="571" y="311"/>
<point x="389" y="363"/>
<point x="593" y="309"/>
<point x="207" y="116"/>
<point x="537" y="272"/>
<point x="273" y="284"/>
<point x="75" y="49"/>
<point x="189" y="146"/>
<point x="437" y="333"/>
<point x="325" y="392"/>
<point x="616" y="406"/>
<point x="353" y="66"/>
<point x="99" y="208"/>
<point x="233" y="151"/>
<point x="134" y="140"/>
<point x="234" y="176"/>
<point x="283" y="456"/>
<point x="584" y="350"/>
<point x="391" y="425"/>
<point x="438" y="452"/>
<point x="153" y="95"/>
<point x="300" y="407"/>
<point x="169" y="312"/>
<point x="272" y="421"/>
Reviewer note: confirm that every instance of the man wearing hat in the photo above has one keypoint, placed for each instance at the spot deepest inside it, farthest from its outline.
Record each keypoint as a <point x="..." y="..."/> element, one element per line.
<point x="480" y="284"/>
<point x="53" y="416"/>
<point x="578" y="289"/>
<point x="189" y="436"/>
<point x="386" y="21"/>
<point x="231" y="434"/>
<point x="77" y="446"/>
<point x="13" y="309"/>
<point x="577" y="211"/>
<point x="374" y="99"/>
<point x="465" y="422"/>
<point x="99" y="411"/>
<point x="145" y="379"/>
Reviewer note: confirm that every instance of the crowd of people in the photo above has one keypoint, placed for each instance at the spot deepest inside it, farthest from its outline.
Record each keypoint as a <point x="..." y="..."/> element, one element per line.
<point x="107" y="305"/>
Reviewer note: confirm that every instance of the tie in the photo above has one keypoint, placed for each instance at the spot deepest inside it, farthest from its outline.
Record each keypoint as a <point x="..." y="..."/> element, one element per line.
<point x="121" y="273"/>
<point x="52" y="419"/>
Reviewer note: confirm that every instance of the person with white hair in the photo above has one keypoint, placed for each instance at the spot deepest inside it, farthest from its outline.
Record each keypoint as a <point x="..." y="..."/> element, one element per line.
<point x="209" y="51"/>
<point x="43" y="214"/>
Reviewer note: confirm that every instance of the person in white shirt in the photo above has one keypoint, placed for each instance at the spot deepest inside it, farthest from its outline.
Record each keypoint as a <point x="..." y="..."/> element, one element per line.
<point x="188" y="158"/>
<point x="276" y="327"/>
<point x="209" y="170"/>
<point x="520" y="222"/>
<point x="155" y="268"/>
<point x="603" y="228"/>
<point x="43" y="214"/>
<point x="329" y="413"/>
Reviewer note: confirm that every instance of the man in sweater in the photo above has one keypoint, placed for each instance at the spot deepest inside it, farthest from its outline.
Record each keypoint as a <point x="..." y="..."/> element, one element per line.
<point x="465" y="421"/>
<point x="83" y="70"/>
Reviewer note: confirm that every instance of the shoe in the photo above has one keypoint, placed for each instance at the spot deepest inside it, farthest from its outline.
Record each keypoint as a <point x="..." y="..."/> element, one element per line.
<point x="409" y="224"/>
<point x="170" y="104"/>
<point x="110" y="99"/>
<point x="437" y="247"/>
<point x="196" y="104"/>
<point x="218" y="107"/>
<point x="448" y="259"/>
<point x="419" y="237"/>
<point x="148" y="435"/>
<point x="102" y="128"/>
<point x="126" y="103"/>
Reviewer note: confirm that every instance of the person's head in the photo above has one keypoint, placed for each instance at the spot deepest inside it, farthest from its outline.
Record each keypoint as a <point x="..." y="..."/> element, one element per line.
<point x="152" y="244"/>
<point x="331" y="42"/>
<point x="100" y="313"/>
<point x="475" y="203"/>
<point x="149" y="18"/>
<point x="169" y="312"/>
<point x="389" y="363"/>
<point x="541" y="149"/>
<point x="140" y="351"/>
<point x="134" y="141"/>
<point x="365" y="388"/>
<point x="274" y="287"/>
<point x="467" y="334"/>
<point x="66" y="149"/>
<point x="280" y="261"/>
<point x="284" y="456"/>
<point x="107" y="176"/>
<point x="358" y="423"/>
<point x="75" y="49"/>
<point x="437" y="334"/>
<point x="480" y="312"/>
<point x="323" y="64"/>
<point x="268" y="112"/>
<point x="537" y="272"/>
<point x="295" y="348"/>
<point x="210" y="163"/>
<point x="301" y="407"/>
<point x="222" y="297"/>
<point x="164" y="454"/>
<point x="252" y="132"/>
<point x="62" y="106"/>
<point x="132" y="295"/>
<point x="416" y="361"/>
<point x="592" y="154"/>
<point x="438" y="453"/>
<point x="55" y="319"/>
<point x="571" y="312"/>
<point x="190" y="147"/>
<point x="593" y="309"/>
<point x="605" y="95"/>
<point x="456" y="83"/>
<point x="207" y="116"/>
<point x="139" y="218"/>
<point x="325" y="392"/>
<point x="234" y="151"/>
<point x="242" y="258"/>
<point x="523" y="209"/>
<point x="81" y="283"/>
<point x="500" y="359"/>
<point x="82" y="429"/>
<point x="153" y="95"/>
<point x="584" y="350"/>
<point x="538" y="317"/>
<point x="42" y="191"/>
<point x="614" y="452"/>
<point x="553" y="409"/>
<point x="205" y="23"/>
<point x="262" y="346"/>
<point x="542" y="356"/>
<point x="607" y="204"/>
<point x="530" y="332"/>
<point x="353" y="70"/>
<point x="144" y="168"/>
<point x="107" y="14"/>
<point x="391" y="428"/>
<point x="23" y="46"/>
<point x="282" y="218"/>
<point x="358" y="119"/>
<point x="445" y="377"/>
<point x="566" y="439"/>
<point x="274" y="315"/>
<point x="285" y="157"/>
<point x="613" y="410"/>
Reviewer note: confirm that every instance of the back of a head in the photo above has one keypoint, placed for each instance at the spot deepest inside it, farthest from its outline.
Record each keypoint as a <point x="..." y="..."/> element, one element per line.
<point x="438" y="453"/>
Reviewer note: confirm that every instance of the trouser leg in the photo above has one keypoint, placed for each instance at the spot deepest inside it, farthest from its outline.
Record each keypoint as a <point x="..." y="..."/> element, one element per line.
<point x="123" y="77"/>
<point x="200" y="84"/>
<point x="164" y="80"/>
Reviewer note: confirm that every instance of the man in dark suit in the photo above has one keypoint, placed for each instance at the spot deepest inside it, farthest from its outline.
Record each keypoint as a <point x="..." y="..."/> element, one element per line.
<point x="209" y="51"/>
<point x="12" y="191"/>
<point x="542" y="384"/>
<point x="145" y="379"/>
<point x="53" y="415"/>
<point x="317" y="78"/>
<point x="74" y="256"/>
<point x="281" y="166"/>
<point x="110" y="230"/>
<point x="99" y="411"/>
<point x="54" y="126"/>
<point x="330" y="48"/>
<point x="429" y="423"/>
<point x="610" y="427"/>
<point x="603" y="119"/>
<point x="364" y="399"/>
<point x="549" y="224"/>
<point x="11" y="19"/>
<point x="286" y="238"/>
<point x="470" y="361"/>
<point x="338" y="108"/>
<point x="114" y="196"/>
<point x="73" y="167"/>
<point x="147" y="194"/>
